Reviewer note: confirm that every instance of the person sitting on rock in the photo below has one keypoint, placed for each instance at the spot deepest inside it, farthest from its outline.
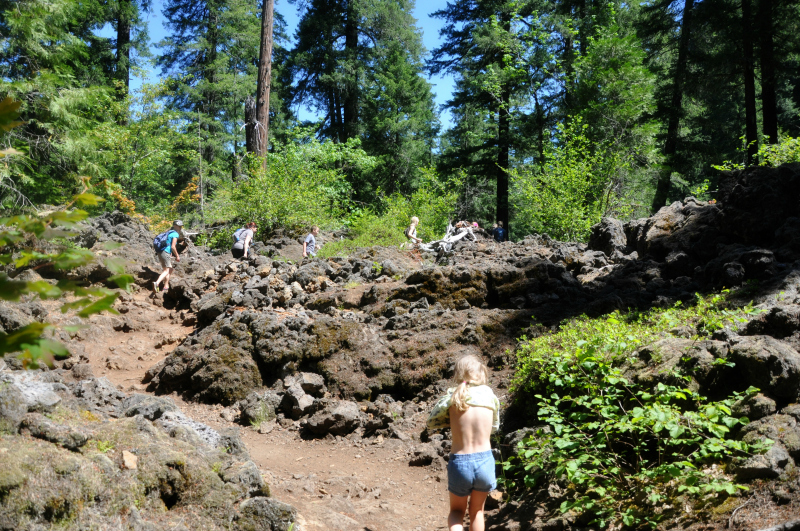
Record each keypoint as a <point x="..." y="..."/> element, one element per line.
<point x="244" y="240"/>
<point x="471" y="411"/>
<point x="411" y="231"/>
<point x="166" y="253"/>
<point x="310" y="243"/>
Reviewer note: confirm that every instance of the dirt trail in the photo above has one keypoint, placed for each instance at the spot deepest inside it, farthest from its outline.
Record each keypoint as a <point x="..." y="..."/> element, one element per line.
<point x="335" y="483"/>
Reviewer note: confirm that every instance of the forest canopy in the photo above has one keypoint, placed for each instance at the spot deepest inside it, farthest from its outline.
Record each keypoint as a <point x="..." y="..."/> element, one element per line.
<point x="563" y="111"/>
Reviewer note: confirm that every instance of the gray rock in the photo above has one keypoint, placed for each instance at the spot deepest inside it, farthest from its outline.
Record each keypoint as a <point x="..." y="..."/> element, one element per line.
<point x="784" y="429"/>
<point x="172" y="421"/>
<point x="309" y="272"/>
<point x="769" y="364"/>
<point x="39" y="395"/>
<point x="258" y="407"/>
<point x="296" y="402"/>
<point x="339" y="418"/>
<point x="246" y="475"/>
<point x="608" y="236"/>
<point x="659" y="361"/>
<point x="99" y="394"/>
<point x="423" y="455"/>
<point x="265" y="514"/>
<point x="43" y="428"/>
<point x="311" y="383"/>
<point x="209" y="308"/>
<point x="12" y="407"/>
<point x="150" y="407"/>
<point x="764" y="466"/>
<point x="391" y="269"/>
<point x="755" y="407"/>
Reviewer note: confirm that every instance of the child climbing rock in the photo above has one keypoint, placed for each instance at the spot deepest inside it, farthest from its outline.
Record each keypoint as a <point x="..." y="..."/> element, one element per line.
<point x="471" y="411"/>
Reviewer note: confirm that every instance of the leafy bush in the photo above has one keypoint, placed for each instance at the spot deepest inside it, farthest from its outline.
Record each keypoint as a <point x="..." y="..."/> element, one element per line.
<point x="784" y="152"/>
<point x="624" y="453"/>
<point x="572" y="191"/>
<point x="301" y="185"/>
<point x="433" y="203"/>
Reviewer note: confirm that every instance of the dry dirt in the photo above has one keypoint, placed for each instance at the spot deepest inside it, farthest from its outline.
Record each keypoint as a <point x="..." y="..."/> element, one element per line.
<point x="335" y="483"/>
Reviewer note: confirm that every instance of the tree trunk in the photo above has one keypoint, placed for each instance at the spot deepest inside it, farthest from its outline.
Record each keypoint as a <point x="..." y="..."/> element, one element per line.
<point x="123" y="46"/>
<point x="751" y="125"/>
<point x="769" y="100"/>
<point x="351" y="89"/>
<point x="264" y="80"/>
<point x="675" y="109"/>
<point x="250" y="124"/>
<point x="503" y="150"/>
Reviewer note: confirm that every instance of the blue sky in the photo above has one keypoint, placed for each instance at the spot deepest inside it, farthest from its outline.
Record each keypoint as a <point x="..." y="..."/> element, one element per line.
<point x="442" y="86"/>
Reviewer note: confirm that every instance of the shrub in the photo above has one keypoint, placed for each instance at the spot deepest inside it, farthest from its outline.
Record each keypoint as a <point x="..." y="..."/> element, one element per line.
<point x="433" y="202"/>
<point x="625" y="454"/>
<point x="302" y="185"/>
<point x="571" y="191"/>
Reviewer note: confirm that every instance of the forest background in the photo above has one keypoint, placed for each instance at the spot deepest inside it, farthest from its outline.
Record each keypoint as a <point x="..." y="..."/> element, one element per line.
<point x="562" y="111"/>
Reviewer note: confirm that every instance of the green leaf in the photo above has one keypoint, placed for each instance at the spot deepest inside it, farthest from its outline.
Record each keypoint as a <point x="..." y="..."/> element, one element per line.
<point x="22" y="337"/>
<point x="87" y="199"/>
<point x="100" y="305"/>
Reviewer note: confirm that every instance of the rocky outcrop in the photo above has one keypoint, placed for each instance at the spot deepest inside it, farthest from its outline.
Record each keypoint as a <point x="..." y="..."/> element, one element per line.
<point x="134" y="462"/>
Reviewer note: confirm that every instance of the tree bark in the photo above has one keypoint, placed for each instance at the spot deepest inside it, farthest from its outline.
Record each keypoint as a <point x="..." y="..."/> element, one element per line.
<point x="264" y="80"/>
<point x="675" y="109"/>
<point x="751" y="125"/>
<point x="123" y="46"/>
<point x="250" y="124"/>
<point x="769" y="99"/>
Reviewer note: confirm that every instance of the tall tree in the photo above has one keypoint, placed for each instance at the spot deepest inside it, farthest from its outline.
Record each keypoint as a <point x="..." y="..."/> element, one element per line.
<point x="674" y="109"/>
<point x="485" y="50"/>
<point x="360" y="64"/>
<point x="264" y="80"/>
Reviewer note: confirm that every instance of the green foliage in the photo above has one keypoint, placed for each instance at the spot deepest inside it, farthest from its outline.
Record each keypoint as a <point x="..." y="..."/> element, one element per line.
<point x="433" y="203"/>
<point x="303" y="184"/>
<point x="25" y="234"/>
<point x="104" y="446"/>
<point x="625" y="453"/>
<point x="572" y="191"/>
<point x="784" y="152"/>
<point x="21" y="239"/>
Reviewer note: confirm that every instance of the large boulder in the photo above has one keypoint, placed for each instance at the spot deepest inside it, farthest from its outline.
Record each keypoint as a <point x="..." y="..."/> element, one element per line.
<point x="339" y="418"/>
<point x="608" y="236"/>
<point x="767" y="363"/>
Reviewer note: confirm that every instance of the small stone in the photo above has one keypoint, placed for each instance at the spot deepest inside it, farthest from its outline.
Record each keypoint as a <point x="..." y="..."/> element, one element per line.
<point x="266" y="427"/>
<point x="129" y="460"/>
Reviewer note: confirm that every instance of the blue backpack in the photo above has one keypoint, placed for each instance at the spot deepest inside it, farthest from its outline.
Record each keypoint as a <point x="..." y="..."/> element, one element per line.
<point x="238" y="234"/>
<point x="160" y="241"/>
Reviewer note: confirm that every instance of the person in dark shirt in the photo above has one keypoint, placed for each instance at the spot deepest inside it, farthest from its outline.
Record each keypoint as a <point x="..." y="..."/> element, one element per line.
<point x="499" y="232"/>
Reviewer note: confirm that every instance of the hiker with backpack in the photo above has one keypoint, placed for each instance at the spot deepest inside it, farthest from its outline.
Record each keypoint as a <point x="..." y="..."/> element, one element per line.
<point x="242" y="240"/>
<point x="411" y="231"/>
<point x="164" y="247"/>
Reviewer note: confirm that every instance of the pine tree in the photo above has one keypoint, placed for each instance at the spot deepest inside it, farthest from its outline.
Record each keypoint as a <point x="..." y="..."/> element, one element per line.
<point x="360" y="65"/>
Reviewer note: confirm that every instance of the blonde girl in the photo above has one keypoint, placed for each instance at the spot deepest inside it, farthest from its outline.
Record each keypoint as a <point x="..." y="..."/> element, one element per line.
<point x="471" y="411"/>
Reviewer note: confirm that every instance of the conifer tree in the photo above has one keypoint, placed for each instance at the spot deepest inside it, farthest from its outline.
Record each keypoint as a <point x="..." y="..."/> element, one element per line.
<point x="360" y="64"/>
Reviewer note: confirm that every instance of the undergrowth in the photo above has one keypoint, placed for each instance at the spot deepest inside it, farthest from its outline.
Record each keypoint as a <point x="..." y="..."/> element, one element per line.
<point x="616" y="452"/>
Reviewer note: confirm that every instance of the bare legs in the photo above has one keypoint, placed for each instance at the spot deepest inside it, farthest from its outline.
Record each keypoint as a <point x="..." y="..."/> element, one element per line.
<point x="459" y="505"/>
<point x="165" y="277"/>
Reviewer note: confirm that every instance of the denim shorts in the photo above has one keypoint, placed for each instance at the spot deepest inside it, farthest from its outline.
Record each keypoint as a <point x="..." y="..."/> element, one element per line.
<point x="468" y="472"/>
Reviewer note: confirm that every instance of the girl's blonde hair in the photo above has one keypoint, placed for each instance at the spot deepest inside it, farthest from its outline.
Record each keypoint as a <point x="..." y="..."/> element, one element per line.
<point x="470" y="369"/>
<point x="415" y="219"/>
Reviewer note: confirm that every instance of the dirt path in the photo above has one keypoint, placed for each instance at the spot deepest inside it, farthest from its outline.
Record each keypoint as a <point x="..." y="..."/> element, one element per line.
<point x="335" y="483"/>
